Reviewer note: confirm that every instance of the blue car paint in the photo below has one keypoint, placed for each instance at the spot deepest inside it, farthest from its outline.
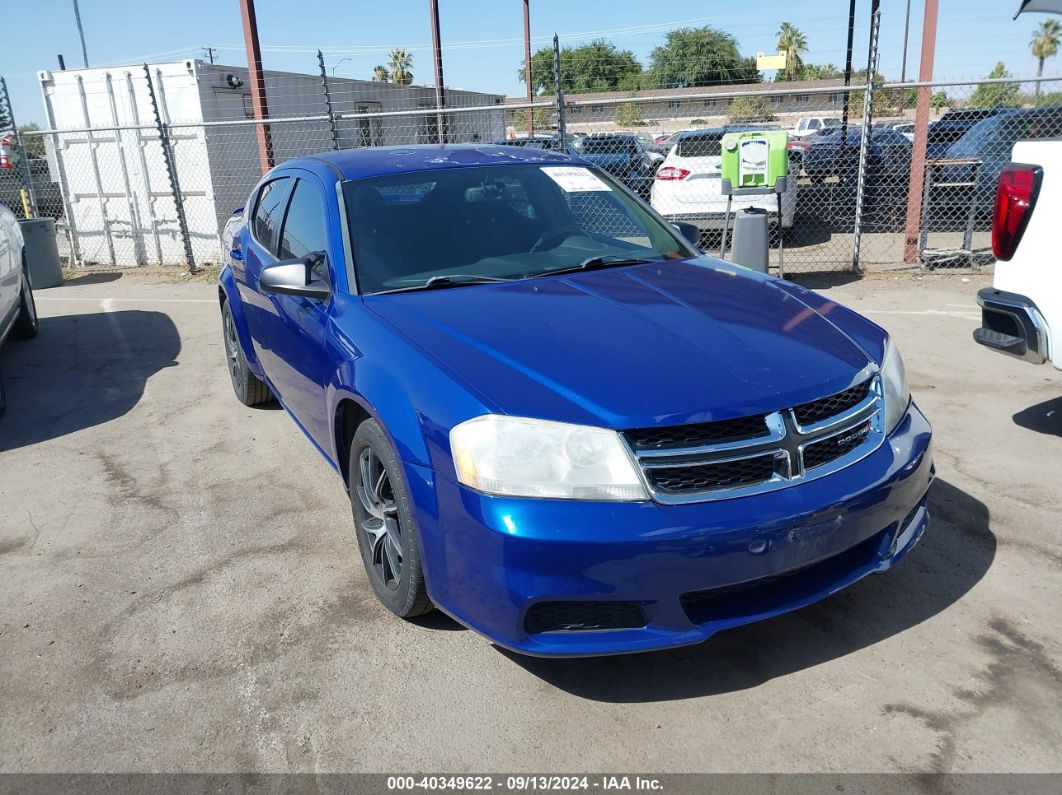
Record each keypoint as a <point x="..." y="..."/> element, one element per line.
<point x="641" y="346"/>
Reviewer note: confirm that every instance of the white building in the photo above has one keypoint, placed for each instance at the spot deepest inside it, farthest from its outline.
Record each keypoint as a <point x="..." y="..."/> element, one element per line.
<point x="117" y="199"/>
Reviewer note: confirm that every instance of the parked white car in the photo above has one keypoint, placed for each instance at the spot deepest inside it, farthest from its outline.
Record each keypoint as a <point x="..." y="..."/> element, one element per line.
<point x="813" y="125"/>
<point x="688" y="186"/>
<point x="18" y="313"/>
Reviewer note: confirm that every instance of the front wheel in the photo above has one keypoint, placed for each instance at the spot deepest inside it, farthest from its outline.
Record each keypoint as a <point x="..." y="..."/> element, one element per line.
<point x="383" y="521"/>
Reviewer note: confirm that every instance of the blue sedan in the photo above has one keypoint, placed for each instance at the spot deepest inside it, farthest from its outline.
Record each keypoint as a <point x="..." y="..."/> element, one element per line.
<point x="556" y="420"/>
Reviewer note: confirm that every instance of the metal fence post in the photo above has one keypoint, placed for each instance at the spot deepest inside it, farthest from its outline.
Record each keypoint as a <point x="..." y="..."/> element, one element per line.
<point x="560" y="93"/>
<point x="332" y="129"/>
<point x="23" y="157"/>
<point x="171" y="173"/>
<point x="864" y="138"/>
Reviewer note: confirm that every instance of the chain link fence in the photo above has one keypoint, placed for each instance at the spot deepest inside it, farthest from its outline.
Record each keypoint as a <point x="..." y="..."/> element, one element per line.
<point x="143" y="165"/>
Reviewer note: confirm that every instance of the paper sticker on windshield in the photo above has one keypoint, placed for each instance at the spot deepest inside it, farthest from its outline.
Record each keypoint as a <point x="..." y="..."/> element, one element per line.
<point x="574" y="179"/>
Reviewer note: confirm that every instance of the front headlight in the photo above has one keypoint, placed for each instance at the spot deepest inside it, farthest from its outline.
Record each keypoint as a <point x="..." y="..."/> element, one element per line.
<point x="518" y="457"/>
<point x="894" y="384"/>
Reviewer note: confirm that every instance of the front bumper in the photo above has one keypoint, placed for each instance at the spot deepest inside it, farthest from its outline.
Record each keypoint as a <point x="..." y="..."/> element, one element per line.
<point x="693" y="570"/>
<point x="1011" y="324"/>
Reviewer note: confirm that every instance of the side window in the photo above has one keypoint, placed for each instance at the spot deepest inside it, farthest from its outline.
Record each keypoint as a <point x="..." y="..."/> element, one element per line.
<point x="814" y="124"/>
<point x="267" y="214"/>
<point x="305" y="230"/>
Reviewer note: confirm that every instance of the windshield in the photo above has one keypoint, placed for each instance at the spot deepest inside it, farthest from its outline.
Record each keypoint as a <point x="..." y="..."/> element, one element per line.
<point x="607" y="146"/>
<point x="496" y="222"/>
<point x="970" y="144"/>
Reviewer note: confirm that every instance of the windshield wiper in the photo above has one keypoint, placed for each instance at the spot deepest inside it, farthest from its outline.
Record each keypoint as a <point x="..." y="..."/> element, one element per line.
<point x="596" y="263"/>
<point x="442" y="282"/>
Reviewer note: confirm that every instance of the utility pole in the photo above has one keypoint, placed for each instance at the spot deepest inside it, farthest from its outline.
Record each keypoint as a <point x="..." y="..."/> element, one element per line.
<point x="847" y="73"/>
<point x="209" y="53"/>
<point x="527" y="68"/>
<point x="440" y="91"/>
<point x="918" y="155"/>
<point x="259" y="104"/>
<point x="906" y="31"/>
<point x="81" y="33"/>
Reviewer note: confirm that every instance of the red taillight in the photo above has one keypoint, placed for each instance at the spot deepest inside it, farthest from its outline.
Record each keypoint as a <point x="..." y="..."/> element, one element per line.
<point x="668" y="173"/>
<point x="1016" y="192"/>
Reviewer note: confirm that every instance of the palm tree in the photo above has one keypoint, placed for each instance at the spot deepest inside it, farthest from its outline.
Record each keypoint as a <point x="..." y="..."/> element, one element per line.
<point x="794" y="43"/>
<point x="381" y="75"/>
<point x="400" y="62"/>
<point x="1045" y="40"/>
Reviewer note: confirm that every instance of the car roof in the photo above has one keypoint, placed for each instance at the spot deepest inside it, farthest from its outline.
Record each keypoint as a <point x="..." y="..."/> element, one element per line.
<point x="379" y="161"/>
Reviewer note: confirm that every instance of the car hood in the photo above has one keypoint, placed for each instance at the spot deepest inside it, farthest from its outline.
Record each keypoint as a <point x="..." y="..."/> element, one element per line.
<point x="656" y="344"/>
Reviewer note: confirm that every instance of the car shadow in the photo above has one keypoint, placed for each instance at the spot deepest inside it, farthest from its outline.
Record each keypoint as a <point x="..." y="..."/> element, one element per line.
<point x="91" y="277"/>
<point x="1044" y="417"/>
<point x="81" y="371"/>
<point x="955" y="553"/>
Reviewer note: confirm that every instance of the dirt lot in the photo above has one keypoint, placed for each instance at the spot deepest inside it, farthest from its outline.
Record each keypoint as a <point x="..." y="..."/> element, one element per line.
<point x="180" y="587"/>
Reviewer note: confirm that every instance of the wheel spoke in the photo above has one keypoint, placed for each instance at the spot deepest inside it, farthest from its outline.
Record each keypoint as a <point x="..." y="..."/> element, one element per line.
<point x="393" y="555"/>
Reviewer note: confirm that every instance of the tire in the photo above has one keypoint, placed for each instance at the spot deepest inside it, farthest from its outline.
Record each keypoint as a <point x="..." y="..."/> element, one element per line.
<point x="26" y="324"/>
<point x="3" y="396"/>
<point x="250" y="389"/>
<point x="384" y="523"/>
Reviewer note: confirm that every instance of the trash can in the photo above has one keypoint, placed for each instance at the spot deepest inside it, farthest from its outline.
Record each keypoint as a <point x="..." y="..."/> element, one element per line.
<point x="42" y="253"/>
<point x="750" y="239"/>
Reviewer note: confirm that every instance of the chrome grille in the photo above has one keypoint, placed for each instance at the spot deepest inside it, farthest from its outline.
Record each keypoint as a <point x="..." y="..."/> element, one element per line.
<point x="751" y="455"/>
<point x="677" y="436"/>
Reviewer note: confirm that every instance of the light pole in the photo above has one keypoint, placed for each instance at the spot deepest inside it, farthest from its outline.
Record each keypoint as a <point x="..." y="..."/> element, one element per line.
<point x="81" y="33"/>
<point x="527" y="69"/>
<point x="337" y="63"/>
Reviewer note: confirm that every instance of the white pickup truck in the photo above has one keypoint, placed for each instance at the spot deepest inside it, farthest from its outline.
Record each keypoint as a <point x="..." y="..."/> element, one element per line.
<point x="1022" y="310"/>
<point x="18" y="312"/>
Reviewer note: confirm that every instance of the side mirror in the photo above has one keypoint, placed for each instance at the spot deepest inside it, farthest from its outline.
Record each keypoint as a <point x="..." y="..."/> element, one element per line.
<point x="691" y="232"/>
<point x="236" y="255"/>
<point x="294" y="277"/>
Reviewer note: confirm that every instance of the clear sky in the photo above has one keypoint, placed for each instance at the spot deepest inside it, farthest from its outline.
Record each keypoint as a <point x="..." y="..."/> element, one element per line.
<point x="483" y="38"/>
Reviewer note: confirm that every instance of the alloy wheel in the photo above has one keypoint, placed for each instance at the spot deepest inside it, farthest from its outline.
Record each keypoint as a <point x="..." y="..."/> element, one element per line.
<point x="232" y="349"/>
<point x="381" y="525"/>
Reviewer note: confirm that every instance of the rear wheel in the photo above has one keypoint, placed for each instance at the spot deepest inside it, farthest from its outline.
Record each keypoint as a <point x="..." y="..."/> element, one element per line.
<point x="250" y="389"/>
<point x="383" y="521"/>
<point x="26" y="324"/>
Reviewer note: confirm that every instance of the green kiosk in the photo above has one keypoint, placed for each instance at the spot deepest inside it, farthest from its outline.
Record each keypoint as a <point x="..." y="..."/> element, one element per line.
<point x="754" y="163"/>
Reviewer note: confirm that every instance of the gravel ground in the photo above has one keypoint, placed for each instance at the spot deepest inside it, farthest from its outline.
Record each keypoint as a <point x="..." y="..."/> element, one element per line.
<point x="181" y="590"/>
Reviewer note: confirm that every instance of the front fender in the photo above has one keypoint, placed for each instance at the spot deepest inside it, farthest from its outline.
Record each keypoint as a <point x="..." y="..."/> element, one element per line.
<point x="228" y="287"/>
<point x="414" y="397"/>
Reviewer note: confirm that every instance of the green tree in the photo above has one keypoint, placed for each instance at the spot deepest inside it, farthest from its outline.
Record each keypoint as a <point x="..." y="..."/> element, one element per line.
<point x="401" y="64"/>
<point x="699" y="57"/>
<point x="940" y="99"/>
<point x="629" y="114"/>
<point x="33" y="144"/>
<point x="1051" y="98"/>
<point x="795" y="44"/>
<point x="746" y="109"/>
<point x="380" y="74"/>
<point x="1044" y="44"/>
<point x="994" y="95"/>
<point x="543" y="118"/>
<point x="598" y="66"/>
